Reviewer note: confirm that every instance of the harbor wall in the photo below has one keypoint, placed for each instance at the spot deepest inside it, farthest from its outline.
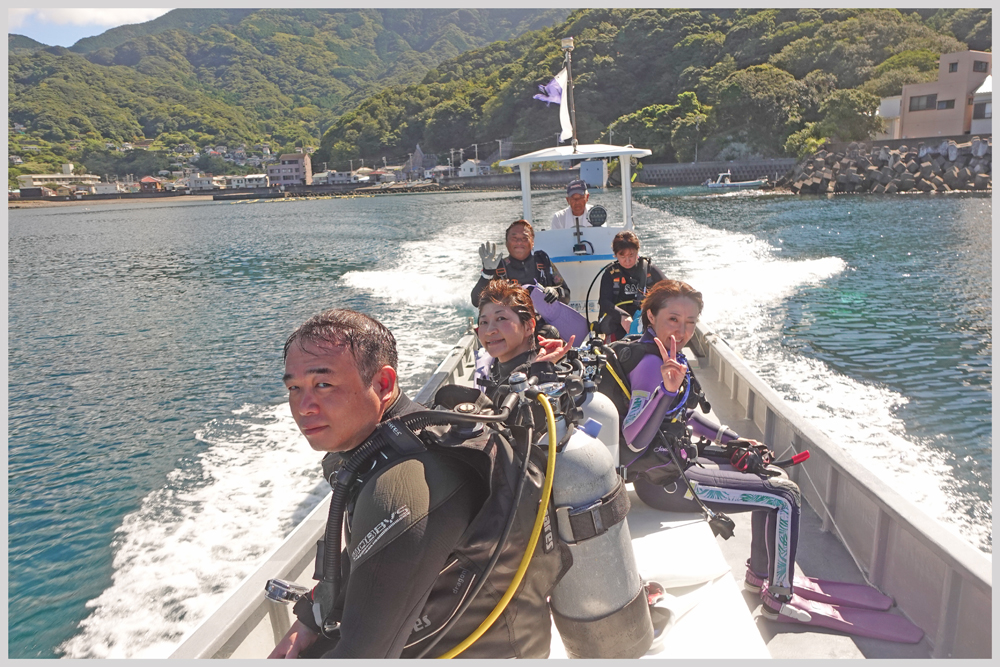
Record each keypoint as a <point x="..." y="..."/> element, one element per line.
<point x="539" y="180"/>
<point x="931" y="165"/>
<point x="696" y="173"/>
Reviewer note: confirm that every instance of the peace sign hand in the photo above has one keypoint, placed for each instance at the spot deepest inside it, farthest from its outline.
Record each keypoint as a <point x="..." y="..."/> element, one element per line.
<point x="553" y="349"/>
<point x="672" y="371"/>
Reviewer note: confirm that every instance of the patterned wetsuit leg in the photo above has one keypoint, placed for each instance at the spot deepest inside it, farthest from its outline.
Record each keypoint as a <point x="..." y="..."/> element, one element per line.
<point x="775" y="524"/>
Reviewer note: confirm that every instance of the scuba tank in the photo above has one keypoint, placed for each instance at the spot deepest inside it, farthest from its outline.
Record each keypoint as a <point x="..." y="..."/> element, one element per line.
<point x="601" y="409"/>
<point x="594" y="404"/>
<point x="599" y="606"/>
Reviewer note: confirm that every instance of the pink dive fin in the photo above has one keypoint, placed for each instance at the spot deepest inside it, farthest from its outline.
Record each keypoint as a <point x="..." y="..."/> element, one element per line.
<point x="852" y="620"/>
<point x="840" y="593"/>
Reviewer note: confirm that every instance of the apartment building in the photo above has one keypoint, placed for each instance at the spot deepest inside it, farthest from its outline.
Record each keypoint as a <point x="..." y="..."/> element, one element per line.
<point x="291" y="169"/>
<point x="945" y="107"/>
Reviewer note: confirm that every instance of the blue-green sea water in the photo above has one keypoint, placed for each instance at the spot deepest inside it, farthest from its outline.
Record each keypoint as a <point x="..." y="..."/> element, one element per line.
<point x="152" y="461"/>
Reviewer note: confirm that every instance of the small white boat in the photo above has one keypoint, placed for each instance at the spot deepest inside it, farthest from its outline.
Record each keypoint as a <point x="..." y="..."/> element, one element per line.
<point x="725" y="180"/>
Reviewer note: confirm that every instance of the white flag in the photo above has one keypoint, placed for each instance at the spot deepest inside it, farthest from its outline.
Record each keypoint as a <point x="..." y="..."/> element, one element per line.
<point x="567" y="128"/>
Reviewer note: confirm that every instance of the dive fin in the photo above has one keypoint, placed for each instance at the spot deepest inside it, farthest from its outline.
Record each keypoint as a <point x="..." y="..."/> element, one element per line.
<point x="852" y="620"/>
<point x="841" y="593"/>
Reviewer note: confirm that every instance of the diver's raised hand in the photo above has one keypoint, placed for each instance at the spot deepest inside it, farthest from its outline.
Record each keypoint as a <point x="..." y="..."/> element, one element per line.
<point x="672" y="371"/>
<point x="553" y="349"/>
<point x="491" y="258"/>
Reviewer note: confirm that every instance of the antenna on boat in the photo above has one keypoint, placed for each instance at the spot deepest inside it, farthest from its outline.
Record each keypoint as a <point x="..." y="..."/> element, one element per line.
<point x="567" y="46"/>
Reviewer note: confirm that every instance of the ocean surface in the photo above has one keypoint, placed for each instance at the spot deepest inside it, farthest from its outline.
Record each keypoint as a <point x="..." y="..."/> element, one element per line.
<point x="152" y="460"/>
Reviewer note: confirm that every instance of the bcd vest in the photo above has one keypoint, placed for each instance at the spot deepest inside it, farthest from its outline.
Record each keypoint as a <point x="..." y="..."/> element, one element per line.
<point x="620" y="278"/>
<point x="628" y="353"/>
<point x="523" y="630"/>
<point x="543" y="268"/>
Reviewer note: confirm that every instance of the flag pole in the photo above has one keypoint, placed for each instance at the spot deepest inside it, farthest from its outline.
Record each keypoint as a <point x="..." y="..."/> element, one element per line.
<point x="567" y="46"/>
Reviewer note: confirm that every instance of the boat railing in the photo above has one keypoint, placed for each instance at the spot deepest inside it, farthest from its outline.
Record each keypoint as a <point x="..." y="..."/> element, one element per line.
<point x="894" y="543"/>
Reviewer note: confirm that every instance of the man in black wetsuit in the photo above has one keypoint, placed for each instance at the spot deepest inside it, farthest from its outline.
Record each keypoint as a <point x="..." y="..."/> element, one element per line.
<point x="524" y="266"/>
<point x="407" y="561"/>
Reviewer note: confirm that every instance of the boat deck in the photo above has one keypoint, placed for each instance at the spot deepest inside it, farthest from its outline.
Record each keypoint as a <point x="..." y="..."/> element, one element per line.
<point x="819" y="554"/>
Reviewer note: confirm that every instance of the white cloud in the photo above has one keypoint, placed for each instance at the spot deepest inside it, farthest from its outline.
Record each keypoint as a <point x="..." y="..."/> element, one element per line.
<point x="107" y="18"/>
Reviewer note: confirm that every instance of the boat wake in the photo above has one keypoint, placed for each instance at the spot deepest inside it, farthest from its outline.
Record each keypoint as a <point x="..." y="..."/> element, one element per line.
<point x="746" y="283"/>
<point x="194" y="540"/>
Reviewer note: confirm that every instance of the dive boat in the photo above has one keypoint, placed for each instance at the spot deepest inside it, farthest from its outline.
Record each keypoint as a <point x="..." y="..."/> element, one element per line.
<point x="853" y="528"/>
<point x="724" y="181"/>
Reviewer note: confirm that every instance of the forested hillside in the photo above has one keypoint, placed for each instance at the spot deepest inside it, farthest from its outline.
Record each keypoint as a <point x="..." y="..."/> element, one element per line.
<point x="236" y="76"/>
<point x="733" y="82"/>
<point x="373" y="83"/>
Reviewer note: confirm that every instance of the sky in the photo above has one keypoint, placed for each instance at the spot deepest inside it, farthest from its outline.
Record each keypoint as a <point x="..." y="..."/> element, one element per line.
<point x="65" y="27"/>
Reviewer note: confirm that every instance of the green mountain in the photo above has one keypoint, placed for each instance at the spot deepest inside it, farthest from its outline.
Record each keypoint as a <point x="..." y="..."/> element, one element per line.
<point x="373" y="83"/>
<point x="241" y="75"/>
<point x="19" y="44"/>
<point x="736" y="82"/>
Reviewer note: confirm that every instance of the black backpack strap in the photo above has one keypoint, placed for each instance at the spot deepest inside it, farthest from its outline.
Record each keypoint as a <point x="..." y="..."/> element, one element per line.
<point x="544" y="266"/>
<point x="643" y="275"/>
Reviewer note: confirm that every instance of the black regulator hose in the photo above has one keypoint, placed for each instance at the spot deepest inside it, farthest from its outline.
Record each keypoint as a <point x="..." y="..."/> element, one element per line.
<point x="717" y="521"/>
<point x="586" y="302"/>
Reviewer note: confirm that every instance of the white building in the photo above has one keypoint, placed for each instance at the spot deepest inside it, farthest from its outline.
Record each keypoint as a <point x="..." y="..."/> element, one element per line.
<point x="107" y="188"/>
<point x="257" y="181"/>
<point x="201" y="182"/>
<point x="55" y="180"/>
<point x="236" y="182"/>
<point x="982" y="108"/>
<point x="889" y="112"/>
<point x="473" y="167"/>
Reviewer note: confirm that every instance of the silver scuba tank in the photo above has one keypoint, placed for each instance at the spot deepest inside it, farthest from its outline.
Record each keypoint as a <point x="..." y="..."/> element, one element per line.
<point x="602" y="409"/>
<point x="599" y="606"/>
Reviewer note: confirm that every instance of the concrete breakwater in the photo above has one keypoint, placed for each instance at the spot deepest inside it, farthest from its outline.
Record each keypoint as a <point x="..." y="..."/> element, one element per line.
<point x="925" y="167"/>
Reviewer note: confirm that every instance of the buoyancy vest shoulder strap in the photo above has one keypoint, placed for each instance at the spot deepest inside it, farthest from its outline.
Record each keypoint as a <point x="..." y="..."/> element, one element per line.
<point x="544" y="266"/>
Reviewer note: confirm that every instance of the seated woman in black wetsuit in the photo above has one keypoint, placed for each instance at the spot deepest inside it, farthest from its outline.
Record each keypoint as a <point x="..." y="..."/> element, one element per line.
<point x="506" y="331"/>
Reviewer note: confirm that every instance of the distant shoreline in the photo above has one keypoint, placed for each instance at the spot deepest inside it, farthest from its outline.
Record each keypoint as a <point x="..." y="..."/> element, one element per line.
<point x="41" y="203"/>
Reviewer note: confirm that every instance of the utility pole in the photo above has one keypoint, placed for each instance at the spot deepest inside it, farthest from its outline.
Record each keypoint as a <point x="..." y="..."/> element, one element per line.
<point x="352" y="165"/>
<point x="477" y="151"/>
<point x="410" y="163"/>
<point x="611" y="133"/>
<point x="461" y="155"/>
<point x="500" y="142"/>
<point x="451" y="155"/>
<point x="696" y="140"/>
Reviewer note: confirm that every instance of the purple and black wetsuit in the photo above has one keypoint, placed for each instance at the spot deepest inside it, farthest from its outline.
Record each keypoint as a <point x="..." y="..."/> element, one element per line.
<point x="774" y="501"/>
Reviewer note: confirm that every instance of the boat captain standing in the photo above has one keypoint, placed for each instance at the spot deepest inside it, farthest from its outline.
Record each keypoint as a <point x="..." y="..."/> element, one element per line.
<point x="578" y="210"/>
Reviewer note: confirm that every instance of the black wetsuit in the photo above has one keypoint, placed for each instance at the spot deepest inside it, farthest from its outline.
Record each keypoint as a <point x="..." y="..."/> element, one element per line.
<point x="405" y="525"/>
<point x="621" y="295"/>
<point x="537" y="266"/>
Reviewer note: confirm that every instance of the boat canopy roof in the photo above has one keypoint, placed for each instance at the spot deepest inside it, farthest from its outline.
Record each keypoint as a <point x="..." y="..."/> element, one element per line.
<point x="582" y="152"/>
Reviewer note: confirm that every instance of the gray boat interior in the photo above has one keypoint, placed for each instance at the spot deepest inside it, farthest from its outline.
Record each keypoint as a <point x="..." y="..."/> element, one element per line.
<point x="853" y="529"/>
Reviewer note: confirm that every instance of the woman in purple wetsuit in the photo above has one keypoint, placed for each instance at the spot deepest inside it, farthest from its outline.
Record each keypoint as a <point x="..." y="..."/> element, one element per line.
<point x="662" y="388"/>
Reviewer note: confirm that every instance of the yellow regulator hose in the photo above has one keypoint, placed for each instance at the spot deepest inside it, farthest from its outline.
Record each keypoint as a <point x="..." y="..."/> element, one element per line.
<point x="550" y="468"/>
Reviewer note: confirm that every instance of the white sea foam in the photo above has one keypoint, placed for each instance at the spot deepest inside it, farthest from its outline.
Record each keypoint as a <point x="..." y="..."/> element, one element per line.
<point x="189" y="545"/>
<point x="191" y="542"/>
<point x="745" y="280"/>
